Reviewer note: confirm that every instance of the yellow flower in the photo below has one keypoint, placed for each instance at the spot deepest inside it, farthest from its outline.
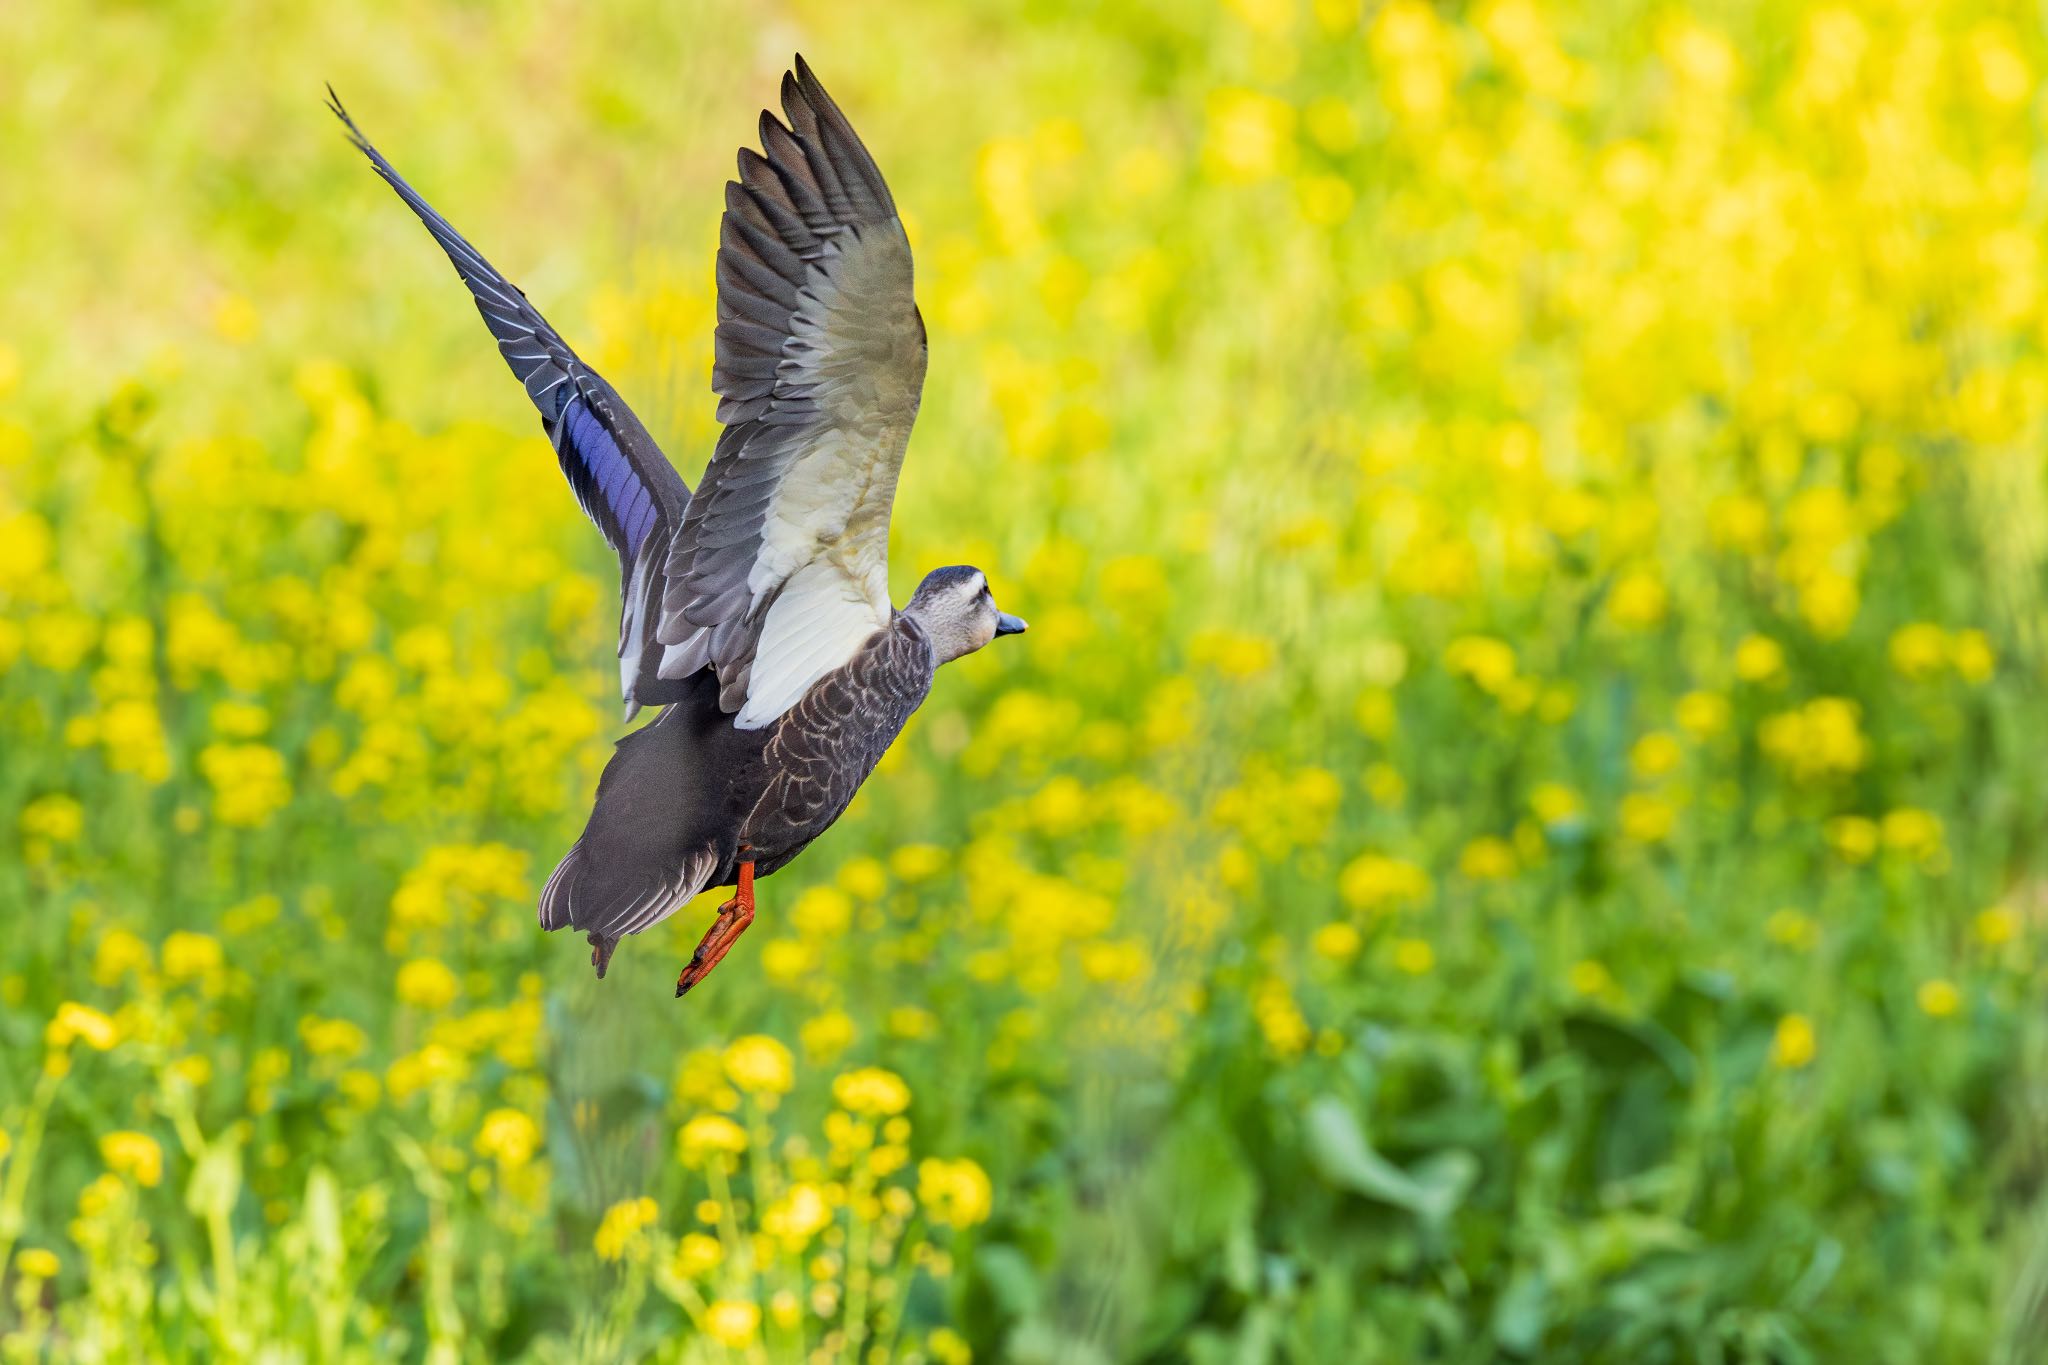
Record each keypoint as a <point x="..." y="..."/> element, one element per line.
<point x="37" y="1263"/>
<point x="619" y="1232"/>
<point x="508" y="1137"/>
<point x="6" y="1144"/>
<point x="1655" y="755"/>
<point x="732" y="1323"/>
<point x="1337" y="941"/>
<point x="1702" y="714"/>
<point x="1759" y="659"/>
<point x="917" y="862"/>
<point x="1250" y="135"/>
<point x="760" y="1065"/>
<point x="1912" y="831"/>
<point x="827" y="1035"/>
<point x="1488" y="858"/>
<point x="1373" y="882"/>
<point x="1793" y="1045"/>
<point x="82" y="1022"/>
<point x="1280" y="1019"/>
<point x="118" y="954"/>
<point x="697" y="1255"/>
<point x="1639" y="601"/>
<point x="1939" y="998"/>
<point x="707" y="1134"/>
<point x="1997" y="926"/>
<point x="1488" y="662"/>
<point x="1919" y="650"/>
<point x="956" y="1193"/>
<point x="1554" y="803"/>
<point x="249" y="782"/>
<point x="332" y="1037"/>
<point x="135" y="1155"/>
<point x="189" y="956"/>
<point x="1589" y="977"/>
<point x="56" y="817"/>
<point x="1974" y="660"/>
<point x="1820" y="740"/>
<point x="799" y="1215"/>
<point x="864" y="879"/>
<point x="1853" y="837"/>
<point x="871" y="1092"/>
<point x="427" y="983"/>
<point x="1414" y="956"/>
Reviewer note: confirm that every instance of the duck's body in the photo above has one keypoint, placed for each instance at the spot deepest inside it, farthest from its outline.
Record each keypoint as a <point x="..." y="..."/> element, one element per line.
<point x="756" y="612"/>
<point x="683" y="796"/>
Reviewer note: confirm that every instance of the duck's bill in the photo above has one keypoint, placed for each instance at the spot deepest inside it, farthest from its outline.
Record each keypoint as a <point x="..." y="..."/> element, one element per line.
<point x="1007" y="624"/>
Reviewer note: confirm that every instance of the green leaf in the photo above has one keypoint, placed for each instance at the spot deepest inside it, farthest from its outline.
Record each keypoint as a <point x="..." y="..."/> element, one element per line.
<point x="1338" y="1148"/>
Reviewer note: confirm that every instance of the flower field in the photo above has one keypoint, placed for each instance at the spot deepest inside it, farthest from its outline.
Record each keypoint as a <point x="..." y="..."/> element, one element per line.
<point x="1517" y="832"/>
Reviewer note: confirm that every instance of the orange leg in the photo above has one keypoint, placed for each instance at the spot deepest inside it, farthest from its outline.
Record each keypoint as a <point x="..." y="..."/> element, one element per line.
<point x="733" y="918"/>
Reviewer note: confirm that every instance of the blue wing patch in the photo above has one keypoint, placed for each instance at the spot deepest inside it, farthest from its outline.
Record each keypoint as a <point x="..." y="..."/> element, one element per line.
<point x="605" y="481"/>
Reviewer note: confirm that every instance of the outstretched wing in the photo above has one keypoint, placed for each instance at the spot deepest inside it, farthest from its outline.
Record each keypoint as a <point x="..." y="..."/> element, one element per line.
<point x="779" y="571"/>
<point x="624" y="482"/>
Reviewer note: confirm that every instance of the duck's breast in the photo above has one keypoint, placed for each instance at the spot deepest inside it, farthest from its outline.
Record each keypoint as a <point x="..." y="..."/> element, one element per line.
<point x="825" y="746"/>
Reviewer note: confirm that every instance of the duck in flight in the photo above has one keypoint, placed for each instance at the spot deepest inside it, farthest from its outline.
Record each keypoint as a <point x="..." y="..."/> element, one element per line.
<point x="756" y="611"/>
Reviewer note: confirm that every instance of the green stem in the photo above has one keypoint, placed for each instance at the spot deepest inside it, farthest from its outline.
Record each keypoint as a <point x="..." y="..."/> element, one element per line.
<point x="21" y="1165"/>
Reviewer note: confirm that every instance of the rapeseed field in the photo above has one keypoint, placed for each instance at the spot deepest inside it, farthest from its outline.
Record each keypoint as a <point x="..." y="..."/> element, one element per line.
<point x="1516" y="832"/>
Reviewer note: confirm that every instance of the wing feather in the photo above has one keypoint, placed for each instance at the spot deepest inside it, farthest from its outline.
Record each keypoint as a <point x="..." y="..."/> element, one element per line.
<point x="619" y="475"/>
<point x="778" y="571"/>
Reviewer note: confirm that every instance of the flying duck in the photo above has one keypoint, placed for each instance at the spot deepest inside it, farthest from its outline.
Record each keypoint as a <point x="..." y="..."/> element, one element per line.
<point x="755" y="612"/>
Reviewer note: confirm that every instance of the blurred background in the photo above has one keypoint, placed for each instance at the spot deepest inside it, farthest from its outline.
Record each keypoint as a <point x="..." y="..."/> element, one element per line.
<point x="1516" y="832"/>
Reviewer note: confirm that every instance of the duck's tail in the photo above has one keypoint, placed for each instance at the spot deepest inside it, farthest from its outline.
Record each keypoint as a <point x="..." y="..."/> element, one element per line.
<point x="653" y="840"/>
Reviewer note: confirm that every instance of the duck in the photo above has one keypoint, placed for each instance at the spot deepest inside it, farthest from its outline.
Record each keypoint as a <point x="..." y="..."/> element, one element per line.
<point x="755" y="615"/>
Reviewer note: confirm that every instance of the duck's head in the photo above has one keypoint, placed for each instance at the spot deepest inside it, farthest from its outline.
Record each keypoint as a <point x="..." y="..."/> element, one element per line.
<point x="954" y="607"/>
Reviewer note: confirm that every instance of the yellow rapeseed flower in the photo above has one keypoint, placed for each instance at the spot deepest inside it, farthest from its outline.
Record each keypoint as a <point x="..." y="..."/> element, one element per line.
<point x="1703" y="714"/>
<point x="427" y="983"/>
<point x="956" y="1193"/>
<point x="1919" y="650"/>
<point x="697" y="1255"/>
<point x="133" y="1154"/>
<point x="1589" y="977"/>
<point x="733" y="1323"/>
<point x="58" y="818"/>
<point x="707" y="1135"/>
<point x="1759" y="659"/>
<point x="1488" y="858"/>
<point x="190" y="956"/>
<point x="827" y="1035"/>
<point x="760" y="1065"/>
<point x="1939" y="998"/>
<point x="1997" y="926"/>
<point x="871" y="1092"/>
<point x="84" y="1023"/>
<point x="1823" y="739"/>
<point x="619" y="1232"/>
<point x="1414" y="956"/>
<point x="801" y="1213"/>
<point x="1375" y="882"/>
<point x="1793" y="1045"/>
<point x="1336" y="941"/>
<point x="1655" y="755"/>
<point x="37" y="1263"/>
<point x="508" y="1137"/>
<point x="118" y="954"/>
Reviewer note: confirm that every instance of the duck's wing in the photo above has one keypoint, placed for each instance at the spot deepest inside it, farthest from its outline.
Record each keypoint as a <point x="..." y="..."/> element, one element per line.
<point x="624" y="482"/>
<point x="779" y="570"/>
